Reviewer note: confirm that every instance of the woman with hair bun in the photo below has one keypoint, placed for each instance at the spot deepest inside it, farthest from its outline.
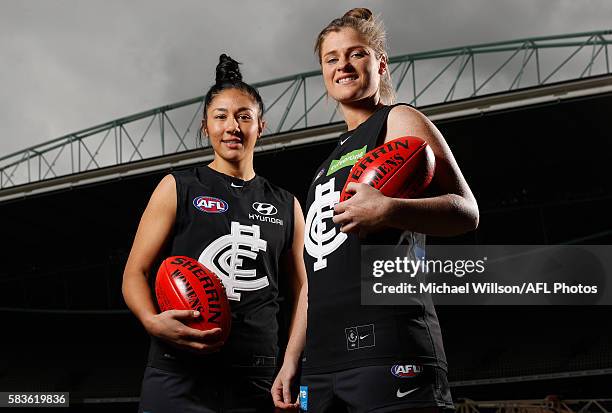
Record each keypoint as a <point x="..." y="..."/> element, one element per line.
<point x="191" y="370"/>
<point x="372" y="358"/>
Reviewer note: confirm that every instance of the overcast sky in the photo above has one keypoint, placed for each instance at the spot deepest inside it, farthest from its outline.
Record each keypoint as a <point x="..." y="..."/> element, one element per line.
<point x="70" y="64"/>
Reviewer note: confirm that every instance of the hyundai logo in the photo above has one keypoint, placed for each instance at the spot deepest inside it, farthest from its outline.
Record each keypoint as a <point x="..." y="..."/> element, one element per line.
<point x="264" y="209"/>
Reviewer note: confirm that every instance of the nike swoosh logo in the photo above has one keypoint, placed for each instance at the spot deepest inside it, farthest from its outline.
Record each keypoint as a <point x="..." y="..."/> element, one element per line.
<point x="400" y="394"/>
<point x="344" y="140"/>
<point x="236" y="186"/>
<point x="362" y="337"/>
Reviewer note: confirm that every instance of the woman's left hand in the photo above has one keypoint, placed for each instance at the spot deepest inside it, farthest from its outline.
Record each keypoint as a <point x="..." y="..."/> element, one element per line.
<point x="364" y="213"/>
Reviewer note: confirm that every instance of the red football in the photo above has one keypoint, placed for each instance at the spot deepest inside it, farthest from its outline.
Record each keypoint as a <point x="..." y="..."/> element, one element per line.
<point x="183" y="283"/>
<point x="401" y="168"/>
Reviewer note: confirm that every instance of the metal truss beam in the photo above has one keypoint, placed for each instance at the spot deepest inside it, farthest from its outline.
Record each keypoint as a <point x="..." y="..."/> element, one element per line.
<point x="550" y="94"/>
<point x="549" y="404"/>
<point x="452" y="75"/>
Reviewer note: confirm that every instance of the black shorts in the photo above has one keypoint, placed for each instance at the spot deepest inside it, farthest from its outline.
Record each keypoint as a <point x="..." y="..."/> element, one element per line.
<point x="382" y="388"/>
<point x="232" y="390"/>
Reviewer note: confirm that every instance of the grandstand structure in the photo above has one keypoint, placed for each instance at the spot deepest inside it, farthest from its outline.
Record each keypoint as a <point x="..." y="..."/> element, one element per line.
<point x="528" y="121"/>
<point x="447" y="83"/>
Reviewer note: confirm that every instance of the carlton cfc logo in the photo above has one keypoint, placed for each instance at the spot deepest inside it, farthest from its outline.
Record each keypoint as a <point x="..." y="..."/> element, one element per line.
<point x="210" y="204"/>
<point x="228" y="255"/>
<point x="406" y="370"/>
<point x="321" y="237"/>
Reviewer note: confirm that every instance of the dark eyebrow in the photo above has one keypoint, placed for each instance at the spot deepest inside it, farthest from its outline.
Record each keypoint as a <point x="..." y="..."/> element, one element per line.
<point x="242" y="109"/>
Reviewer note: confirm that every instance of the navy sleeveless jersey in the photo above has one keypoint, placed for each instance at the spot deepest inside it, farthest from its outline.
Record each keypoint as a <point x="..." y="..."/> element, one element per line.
<point x="387" y="334"/>
<point x="239" y="230"/>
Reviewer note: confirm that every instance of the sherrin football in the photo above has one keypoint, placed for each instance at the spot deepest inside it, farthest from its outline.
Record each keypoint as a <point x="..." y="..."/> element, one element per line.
<point x="400" y="168"/>
<point x="183" y="283"/>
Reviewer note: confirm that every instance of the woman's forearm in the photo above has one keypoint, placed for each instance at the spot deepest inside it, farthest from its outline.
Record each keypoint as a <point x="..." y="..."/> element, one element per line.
<point x="297" y="329"/>
<point x="137" y="296"/>
<point x="444" y="215"/>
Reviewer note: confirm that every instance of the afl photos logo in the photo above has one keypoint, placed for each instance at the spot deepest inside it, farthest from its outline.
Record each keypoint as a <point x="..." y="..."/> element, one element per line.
<point x="265" y="209"/>
<point x="225" y="257"/>
<point x="318" y="239"/>
<point x="210" y="204"/>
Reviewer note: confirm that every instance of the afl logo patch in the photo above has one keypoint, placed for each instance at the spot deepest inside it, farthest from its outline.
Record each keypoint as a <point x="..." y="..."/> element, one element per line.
<point x="264" y="209"/>
<point x="210" y="204"/>
<point x="406" y="370"/>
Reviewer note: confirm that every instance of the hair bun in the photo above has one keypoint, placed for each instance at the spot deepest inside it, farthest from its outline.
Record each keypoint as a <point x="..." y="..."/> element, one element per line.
<point x="227" y="70"/>
<point x="359" y="13"/>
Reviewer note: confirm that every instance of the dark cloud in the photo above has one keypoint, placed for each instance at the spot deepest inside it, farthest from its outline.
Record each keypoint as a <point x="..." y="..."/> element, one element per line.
<point x="69" y="64"/>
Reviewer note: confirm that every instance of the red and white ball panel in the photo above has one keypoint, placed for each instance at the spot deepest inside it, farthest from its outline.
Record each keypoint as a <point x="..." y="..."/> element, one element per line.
<point x="400" y="168"/>
<point x="183" y="283"/>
